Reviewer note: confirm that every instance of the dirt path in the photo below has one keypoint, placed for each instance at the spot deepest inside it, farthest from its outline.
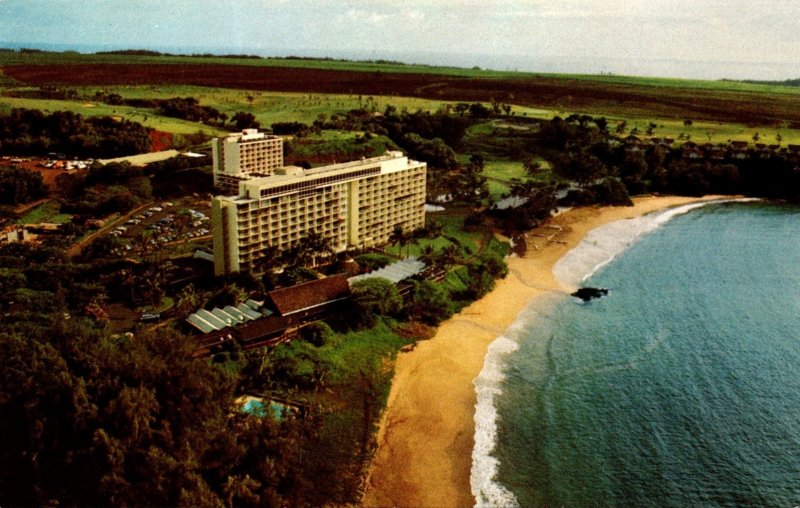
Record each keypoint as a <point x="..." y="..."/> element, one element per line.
<point x="78" y="247"/>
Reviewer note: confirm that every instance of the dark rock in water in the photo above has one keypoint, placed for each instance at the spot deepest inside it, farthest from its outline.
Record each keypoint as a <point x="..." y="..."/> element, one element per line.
<point x="587" y="294"/>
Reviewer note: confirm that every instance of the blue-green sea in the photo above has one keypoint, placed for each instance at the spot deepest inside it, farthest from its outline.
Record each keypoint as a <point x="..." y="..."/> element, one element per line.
<point x="680" y="388"/>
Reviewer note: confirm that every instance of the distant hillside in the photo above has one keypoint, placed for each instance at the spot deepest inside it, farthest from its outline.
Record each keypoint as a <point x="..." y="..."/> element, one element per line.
<point x="788" y="82"/>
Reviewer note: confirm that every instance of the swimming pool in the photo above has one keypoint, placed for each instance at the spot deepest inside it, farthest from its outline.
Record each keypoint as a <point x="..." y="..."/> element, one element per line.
<point x="257" y="407"/>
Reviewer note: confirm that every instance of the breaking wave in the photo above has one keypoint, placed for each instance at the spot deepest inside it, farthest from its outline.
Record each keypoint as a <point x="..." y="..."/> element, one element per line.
<point x="599" y="248"/>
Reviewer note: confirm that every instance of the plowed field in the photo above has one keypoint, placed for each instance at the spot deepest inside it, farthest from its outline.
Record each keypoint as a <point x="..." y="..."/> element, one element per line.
<point x="557" y="93"/>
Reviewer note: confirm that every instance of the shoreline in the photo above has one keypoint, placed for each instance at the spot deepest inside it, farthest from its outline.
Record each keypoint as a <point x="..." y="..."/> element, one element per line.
<point x="426" y="435"/>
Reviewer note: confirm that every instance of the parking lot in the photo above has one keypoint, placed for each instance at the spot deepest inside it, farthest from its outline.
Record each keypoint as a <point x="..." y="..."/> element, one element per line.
<point x="166" y="225"/>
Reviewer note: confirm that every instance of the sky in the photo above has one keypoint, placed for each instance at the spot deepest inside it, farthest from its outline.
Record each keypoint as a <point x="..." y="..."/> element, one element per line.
<point x="755" y="39"/>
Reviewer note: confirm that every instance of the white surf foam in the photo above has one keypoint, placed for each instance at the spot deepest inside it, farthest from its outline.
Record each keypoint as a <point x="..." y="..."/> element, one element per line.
<point x="599" y="248"/>
<point x="485" y="489"/>
<point x="601" y="245"/>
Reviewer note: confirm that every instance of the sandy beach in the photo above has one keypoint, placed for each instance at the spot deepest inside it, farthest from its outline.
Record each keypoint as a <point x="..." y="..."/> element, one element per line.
<point x="426" y="435"/>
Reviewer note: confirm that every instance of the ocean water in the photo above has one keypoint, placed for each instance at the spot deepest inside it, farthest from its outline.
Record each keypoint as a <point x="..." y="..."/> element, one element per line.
<point x="680" y="388"/>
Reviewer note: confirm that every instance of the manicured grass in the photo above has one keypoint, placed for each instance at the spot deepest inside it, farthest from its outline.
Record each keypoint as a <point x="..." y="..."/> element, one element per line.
<point x="452" y="233"/>
<point x="713" y="132"/>
<point x="498" y="189"/>
<point x="145" y="117"/>
<point x="269" y="107"/>
<point x="48" y="211"/>
<point x="453" y="221"/>
<point x="699" y="132"/>
<point x="504" y="170"/>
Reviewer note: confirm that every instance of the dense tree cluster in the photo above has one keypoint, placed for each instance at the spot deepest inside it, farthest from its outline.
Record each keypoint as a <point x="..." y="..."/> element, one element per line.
<point x="290" y="129"/>
<point x="18" y="185"/>
<point x="426" y="136"/>
<point x="88" y="420"/>
<point x="26" y="131"/>
<point x="104" y="189"/>
<point x="608" y="172"/>
<point x="189" y="108"/>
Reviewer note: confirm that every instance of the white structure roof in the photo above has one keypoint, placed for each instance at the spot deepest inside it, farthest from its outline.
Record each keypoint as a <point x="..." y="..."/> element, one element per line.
<point x="218" y="319"/>
<point x="394" y="272"/>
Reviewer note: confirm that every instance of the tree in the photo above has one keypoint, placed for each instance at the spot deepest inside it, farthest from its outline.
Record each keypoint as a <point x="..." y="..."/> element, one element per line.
<point x="428" y="303"/>
<point x="398" y="237"/>
<point x="478" y="110"/>
<point x="540" y="199"/>
<point x="188" y="300"/>
<point x="582" y="167"/>
<point x="532" y="167"/>
<point x="317" y="333"/>
<point x="19" y="185"/>
<point x="375" y="297"/>
<point x="244" y="120"/>
<point x="306" y="251"/>
<point x="471" y="185"/>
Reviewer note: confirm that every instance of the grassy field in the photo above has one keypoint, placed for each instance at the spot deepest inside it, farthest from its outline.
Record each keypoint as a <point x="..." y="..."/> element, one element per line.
<point x="747" y="108"/>
<point x="268" y="107"/>
<point x="91" y="108"/>
<point x="49" y="211"/>
<point x="669" y="127"/>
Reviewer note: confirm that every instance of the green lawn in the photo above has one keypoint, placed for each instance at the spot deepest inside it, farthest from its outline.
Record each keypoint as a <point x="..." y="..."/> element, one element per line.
<point x="504" y="170"/>
<point x="712" y="132"/>
<point x="49" y="211"/>
<point x="88" y="108"/>
<point x="268" y="107"/>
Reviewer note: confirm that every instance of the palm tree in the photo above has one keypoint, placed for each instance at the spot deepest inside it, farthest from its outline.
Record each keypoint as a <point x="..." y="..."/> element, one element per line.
<point x="428" y="255"/>
<point x="410" y="240"/>
<point x="435" y="229"/>
<point x="398" y="237"/>
<point x="188" y="300"/>
<point x="305" y="251"/>
<point x="267" y="260"/>
<point x="532" y="167"/>
<point x="449" y="256"/>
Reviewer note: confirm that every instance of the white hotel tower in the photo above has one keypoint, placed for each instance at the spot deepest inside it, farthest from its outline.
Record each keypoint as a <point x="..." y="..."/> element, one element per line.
<point x="355" y="204"/>
<point x="243" y="155"/>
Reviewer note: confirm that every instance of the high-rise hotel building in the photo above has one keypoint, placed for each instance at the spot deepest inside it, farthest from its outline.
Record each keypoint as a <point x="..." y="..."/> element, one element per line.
<point x="243" y="155"/>
<point x="355" y="204"/>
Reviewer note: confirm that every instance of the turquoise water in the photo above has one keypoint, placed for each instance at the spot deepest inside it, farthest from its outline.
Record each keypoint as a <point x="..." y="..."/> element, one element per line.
<point x="681" y="388"/>
<point x="256" y="407"/>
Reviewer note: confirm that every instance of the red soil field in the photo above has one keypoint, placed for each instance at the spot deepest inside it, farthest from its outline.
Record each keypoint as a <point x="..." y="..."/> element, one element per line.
<point x="558" y="93"/>
<point x="160" y="140"/>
